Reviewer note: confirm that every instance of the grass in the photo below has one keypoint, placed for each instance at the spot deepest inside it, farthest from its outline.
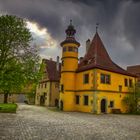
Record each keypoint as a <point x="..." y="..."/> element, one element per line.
<point x="8" y="108"/>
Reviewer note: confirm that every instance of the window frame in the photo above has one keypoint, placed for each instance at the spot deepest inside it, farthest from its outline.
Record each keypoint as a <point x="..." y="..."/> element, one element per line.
<point x="77" y="100"/>
<point x="64" y="49"/>
<point x="111" y="105"/>
<point x="86" y="81"/>
<point x="106" y="78"/>
<point x="130" y="83"/>
<point x="126" y="82"/>
<point x="70" y="49"/>
<point x="86" y="102"/>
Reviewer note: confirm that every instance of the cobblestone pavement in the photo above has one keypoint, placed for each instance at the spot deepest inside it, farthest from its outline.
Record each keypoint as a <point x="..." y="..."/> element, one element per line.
<point x="39" y="123"/>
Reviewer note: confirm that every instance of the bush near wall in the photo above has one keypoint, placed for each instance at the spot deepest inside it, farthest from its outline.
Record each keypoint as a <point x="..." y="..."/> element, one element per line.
<point x="8" y="108"/>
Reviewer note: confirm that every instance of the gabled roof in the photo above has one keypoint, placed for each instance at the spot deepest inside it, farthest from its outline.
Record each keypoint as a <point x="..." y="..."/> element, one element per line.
<point x="50" y="66"/>
<point x="97" y="57"/>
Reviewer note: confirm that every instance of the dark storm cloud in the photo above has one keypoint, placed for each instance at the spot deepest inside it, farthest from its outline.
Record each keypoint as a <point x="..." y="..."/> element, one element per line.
<point x="119" y="22"/>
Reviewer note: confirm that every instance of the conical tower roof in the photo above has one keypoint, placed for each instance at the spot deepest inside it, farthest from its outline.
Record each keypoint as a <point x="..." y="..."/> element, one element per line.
<point x="98" y="57"/>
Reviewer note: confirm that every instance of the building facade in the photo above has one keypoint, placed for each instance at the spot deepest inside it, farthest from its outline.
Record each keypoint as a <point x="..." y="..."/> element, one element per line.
<point x="47" y="91"/>
<point x="94" y="83"/>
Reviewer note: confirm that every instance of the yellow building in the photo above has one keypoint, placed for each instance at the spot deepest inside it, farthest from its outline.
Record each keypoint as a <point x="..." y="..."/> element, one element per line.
<point x="94" y="84"/>
<point x="47" y="91"/>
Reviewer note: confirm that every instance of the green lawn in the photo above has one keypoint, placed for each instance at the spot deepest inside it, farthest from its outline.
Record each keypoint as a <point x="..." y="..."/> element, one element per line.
<point x="8" y="108"/>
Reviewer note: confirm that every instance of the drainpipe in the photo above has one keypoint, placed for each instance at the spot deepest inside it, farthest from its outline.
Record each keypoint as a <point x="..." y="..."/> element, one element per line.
<point x="95" y="102"/>
<point x="50" y="93"/>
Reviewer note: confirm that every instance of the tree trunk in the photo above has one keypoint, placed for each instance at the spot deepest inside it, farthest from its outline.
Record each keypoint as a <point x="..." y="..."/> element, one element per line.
<point x="6" y="97"/>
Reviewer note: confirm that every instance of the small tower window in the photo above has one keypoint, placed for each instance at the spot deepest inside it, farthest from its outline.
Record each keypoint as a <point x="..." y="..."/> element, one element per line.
<point x="76" y="50"/>
<point x="64" y="49"/>
<point x="70" y="49"/>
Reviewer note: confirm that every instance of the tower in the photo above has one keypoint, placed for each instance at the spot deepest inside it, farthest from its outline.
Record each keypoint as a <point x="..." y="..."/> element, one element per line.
<point x="68" y="69"/>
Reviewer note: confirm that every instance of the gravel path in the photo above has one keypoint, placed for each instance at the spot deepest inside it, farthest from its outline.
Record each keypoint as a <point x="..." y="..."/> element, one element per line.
<point x="39" y="123"/>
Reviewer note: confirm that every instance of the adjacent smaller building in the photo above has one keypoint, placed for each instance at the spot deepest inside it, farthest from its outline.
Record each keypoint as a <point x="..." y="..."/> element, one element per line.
<point x="134" y="70"/>
<point x="47" y="91"/>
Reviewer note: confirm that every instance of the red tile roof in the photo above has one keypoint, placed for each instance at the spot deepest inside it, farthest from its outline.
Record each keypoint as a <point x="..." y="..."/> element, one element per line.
<point x="97" y="57"/>
<point x="53" y="74"/>
<point x="134" y="70"/>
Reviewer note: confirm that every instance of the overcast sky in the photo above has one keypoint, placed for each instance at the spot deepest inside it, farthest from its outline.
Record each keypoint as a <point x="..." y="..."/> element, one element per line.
<point x="119" y="24"/>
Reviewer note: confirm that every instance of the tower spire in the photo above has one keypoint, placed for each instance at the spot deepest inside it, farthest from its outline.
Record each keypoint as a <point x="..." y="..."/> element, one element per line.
<point x="70" y="31"/>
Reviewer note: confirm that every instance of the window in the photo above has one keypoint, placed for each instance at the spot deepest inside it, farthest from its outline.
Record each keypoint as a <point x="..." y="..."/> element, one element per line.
<point x="42" y="85"/>
<point x="45" y="85"/>
<point x="86" y="78"/>
<point x="108" y="79"/>
<point x="105" y="79"/>
<point x="64" y="49"/>
<point x="77" y="99"/>
<point x="62" y="88"/>
<point x="102" y="78"/>
<point x="120" y="88"/>
<point x="85" y="100"/>
<point x="130" y="82"/>
<point x="76" y="49"/>
<point x="70" y="49"/>
<point x="111" y="103"/>
<point x="125" y="82"/>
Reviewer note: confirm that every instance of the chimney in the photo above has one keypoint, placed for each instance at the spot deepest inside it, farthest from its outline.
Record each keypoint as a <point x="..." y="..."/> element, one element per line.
<point x="57" y="63"/>
<point x="87" y="45"/>
<point x="80" y="59"/>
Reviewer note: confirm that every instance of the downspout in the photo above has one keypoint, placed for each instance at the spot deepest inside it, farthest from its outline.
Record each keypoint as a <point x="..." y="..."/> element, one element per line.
<point x="50" y="93"/>
<point x="95" y="92"/>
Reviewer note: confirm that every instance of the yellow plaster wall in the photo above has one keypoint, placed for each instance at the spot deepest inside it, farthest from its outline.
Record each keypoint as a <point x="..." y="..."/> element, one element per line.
<point x="116" y="97"/>
<point x="116" y="80"/>
<point x="68" y="99"/>
<point x="81" y="107"/>
<point x="80" y="85"/>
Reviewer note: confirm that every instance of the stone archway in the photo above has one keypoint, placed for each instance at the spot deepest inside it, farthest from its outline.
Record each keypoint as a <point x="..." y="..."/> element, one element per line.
<point x="103" y="106"/>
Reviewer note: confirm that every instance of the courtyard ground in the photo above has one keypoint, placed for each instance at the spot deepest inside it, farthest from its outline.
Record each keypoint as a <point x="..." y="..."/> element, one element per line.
<point x="39" y="123"/>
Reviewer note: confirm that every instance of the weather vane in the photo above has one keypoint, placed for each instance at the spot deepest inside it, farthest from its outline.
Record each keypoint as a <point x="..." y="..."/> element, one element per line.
<point x="70" y="21"/>
<point x="97" y="25"/>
